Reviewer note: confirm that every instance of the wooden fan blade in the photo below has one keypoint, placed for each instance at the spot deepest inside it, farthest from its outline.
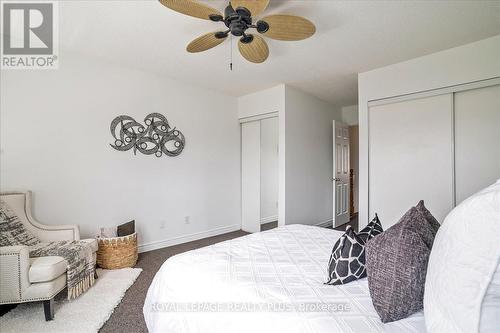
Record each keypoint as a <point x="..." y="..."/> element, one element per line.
<point x="288" y="27"/>
<point x="256" y="51"/>
<point x="254" y="6"/>
<point x="191" y="8"/>
<point x="203" y="43"/>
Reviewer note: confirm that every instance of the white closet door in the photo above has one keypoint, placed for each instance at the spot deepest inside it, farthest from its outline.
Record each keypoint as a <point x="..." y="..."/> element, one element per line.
<point x="411" y="157"/>
<point x="250" y="176"/>
<point x="269" y="173"/>
<point x="477" y="140"/>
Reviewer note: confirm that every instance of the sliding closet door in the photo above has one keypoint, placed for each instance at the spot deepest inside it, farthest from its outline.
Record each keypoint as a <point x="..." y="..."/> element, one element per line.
<point x="477" y="140"/>
<point x="411" y="157"/>
<point x="250" y="176"/>
<point x="269" y="173"/>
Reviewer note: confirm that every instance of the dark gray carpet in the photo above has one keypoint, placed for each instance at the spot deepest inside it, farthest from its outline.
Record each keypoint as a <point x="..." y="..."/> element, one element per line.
<point x="127" y="316"/>
<point x="268" y="226"/>
<point x="353" y="223"/>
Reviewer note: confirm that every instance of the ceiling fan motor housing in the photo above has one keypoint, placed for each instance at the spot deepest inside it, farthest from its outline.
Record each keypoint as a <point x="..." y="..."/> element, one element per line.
<point x="238" y="21"/>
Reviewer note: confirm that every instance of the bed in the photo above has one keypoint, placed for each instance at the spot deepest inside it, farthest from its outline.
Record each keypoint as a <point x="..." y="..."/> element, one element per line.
<point x="264" y="282"/>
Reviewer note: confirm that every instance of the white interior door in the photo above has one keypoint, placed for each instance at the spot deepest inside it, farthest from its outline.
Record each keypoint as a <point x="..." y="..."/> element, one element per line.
<point x="341" y="186"/>
<point x="477" y="140"/>
<point x="250" y="176"/>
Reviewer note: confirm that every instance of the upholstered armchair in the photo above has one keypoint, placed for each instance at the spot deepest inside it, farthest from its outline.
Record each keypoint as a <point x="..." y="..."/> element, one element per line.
<point x="24" y="279"/>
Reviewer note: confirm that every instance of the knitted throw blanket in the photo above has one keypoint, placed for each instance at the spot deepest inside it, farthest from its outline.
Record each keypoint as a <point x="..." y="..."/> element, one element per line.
<point x="80" y="273"/>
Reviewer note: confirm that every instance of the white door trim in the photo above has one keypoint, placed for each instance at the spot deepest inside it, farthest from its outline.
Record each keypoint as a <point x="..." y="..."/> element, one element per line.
<point x="258" y="117"/>
<point x="438" y="91"/>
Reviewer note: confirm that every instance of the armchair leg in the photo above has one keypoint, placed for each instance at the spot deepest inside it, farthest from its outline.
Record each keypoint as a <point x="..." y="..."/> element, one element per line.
<point x="48" y="308"/>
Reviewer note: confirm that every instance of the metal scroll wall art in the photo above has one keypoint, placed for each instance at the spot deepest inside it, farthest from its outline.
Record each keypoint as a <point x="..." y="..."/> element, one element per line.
<point x="155" y="137"/>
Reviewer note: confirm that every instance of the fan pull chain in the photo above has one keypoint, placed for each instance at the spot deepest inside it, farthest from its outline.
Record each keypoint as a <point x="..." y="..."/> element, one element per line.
<point x="231" y="51"/>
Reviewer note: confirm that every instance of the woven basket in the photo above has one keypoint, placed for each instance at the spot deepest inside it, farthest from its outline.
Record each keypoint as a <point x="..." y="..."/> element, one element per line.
<point x="117" y="252"/>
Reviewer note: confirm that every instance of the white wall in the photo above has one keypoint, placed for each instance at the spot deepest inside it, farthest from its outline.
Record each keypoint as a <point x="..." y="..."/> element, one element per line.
<point x="308" y="179"/>
<point x="350" y="115"/>
<point x="55" y="140"/>
<point x="261" y="102"/>
<point x="468" y="63"/>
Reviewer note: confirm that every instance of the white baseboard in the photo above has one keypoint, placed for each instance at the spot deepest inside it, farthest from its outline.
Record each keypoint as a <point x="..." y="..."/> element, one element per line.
<point x="187" y="238"/>
<point x="269" y="219"/>
<point x="325" y="224"/>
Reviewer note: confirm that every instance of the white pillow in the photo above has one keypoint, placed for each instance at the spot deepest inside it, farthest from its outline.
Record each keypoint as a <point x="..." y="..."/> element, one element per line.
<point x="490" y="310"/>
<point x="462" y="266"/>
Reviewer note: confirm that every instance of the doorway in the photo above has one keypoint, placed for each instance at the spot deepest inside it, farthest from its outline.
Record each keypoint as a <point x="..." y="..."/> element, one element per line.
<point x="341" y="172"/>
<point x="345" y="175"/>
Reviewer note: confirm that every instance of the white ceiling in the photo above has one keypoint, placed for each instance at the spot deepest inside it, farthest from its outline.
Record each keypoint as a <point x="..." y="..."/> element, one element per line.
<point x="352" y="37"/>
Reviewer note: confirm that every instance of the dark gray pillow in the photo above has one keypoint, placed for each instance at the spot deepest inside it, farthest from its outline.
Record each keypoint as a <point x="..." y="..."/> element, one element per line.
<point x="428" y="216"/>
<point x="396" y="265"/>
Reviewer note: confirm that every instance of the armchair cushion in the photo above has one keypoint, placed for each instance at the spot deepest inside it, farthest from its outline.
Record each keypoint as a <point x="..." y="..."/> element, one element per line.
<point x="48" y="268"/>
<point x="44" y="269"/>
<point x="12" y="231"/>
<point x="80" y="257"/>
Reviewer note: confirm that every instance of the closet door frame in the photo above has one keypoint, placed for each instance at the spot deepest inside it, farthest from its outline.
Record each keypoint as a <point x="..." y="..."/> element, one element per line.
<point x="258" y="117"/>
<point x="248" y="218"/>
<point x="423" y="94"/>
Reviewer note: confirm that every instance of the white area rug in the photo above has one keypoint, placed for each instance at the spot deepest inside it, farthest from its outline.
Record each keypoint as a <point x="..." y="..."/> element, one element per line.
<point x="86" y="314"/>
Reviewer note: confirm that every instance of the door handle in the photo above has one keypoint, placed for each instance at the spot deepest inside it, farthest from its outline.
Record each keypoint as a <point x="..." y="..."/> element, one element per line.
<point x="336" y="179"/>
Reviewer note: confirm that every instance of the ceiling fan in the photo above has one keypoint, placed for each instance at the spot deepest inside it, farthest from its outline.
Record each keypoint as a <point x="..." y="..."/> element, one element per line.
<point x="239" y="16"/>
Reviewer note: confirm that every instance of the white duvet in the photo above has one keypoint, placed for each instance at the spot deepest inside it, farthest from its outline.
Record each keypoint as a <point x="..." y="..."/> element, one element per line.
<point x="264" y="282"/>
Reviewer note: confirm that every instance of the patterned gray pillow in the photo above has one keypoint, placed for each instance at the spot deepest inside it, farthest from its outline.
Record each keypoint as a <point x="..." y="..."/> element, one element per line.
<point x="347" y="261"/>
<point x="373" y="229"/>
<point x="12" y="231"/>
<point x="396" y="265"/>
